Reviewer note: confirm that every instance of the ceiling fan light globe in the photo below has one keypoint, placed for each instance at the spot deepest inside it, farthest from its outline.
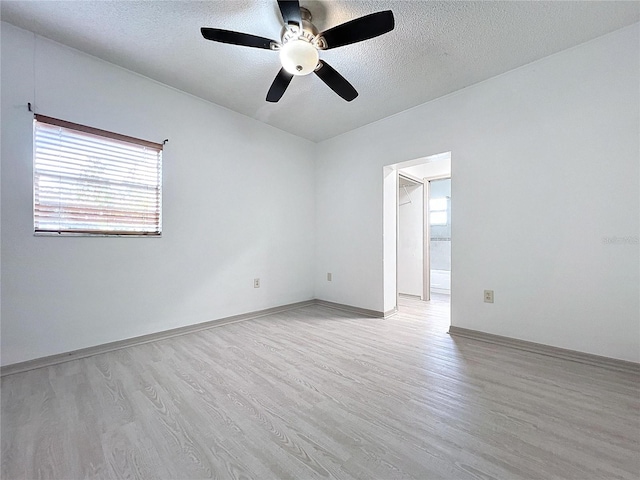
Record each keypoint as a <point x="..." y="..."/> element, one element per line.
<point x="299" y="57"/>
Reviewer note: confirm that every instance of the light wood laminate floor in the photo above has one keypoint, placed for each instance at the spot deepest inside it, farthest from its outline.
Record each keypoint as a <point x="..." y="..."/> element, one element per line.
<point x="319" y="393"/>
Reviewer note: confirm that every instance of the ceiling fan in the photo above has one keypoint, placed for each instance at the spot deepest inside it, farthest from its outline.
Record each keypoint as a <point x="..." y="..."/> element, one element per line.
<point x="301" y="43"/>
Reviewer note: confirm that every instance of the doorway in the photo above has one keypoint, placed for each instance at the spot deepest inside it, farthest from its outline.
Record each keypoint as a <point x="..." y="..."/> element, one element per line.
<point x="408" y="247"/>
<point x="439" y="217"/>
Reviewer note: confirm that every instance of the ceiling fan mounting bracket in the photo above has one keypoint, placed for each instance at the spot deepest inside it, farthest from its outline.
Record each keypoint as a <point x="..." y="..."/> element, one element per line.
<point x="305" y="14"/>
<point x="309" y="32"/>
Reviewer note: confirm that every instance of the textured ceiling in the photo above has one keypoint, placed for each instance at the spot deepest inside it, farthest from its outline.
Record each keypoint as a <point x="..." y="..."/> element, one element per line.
<point x="435" y="49"/>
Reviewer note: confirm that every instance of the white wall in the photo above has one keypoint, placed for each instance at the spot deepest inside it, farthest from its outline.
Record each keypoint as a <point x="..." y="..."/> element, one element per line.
<point x="410" y="240"/>
<point x="237" y="205"/>
<point x="532" y="150"/>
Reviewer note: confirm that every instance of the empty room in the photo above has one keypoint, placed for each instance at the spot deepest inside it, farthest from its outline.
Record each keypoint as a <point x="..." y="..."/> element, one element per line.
<point x="350" y="239"/>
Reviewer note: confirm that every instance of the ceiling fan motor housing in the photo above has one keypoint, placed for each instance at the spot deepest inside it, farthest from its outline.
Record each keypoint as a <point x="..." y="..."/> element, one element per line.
<point x="299" y="49"/>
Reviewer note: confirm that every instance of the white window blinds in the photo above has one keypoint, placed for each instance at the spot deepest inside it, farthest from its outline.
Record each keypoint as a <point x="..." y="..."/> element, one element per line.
<point x="88" y="181"/>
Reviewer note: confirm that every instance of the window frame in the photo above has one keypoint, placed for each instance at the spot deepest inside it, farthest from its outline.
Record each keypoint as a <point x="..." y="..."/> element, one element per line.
<point x="158" y="147"/>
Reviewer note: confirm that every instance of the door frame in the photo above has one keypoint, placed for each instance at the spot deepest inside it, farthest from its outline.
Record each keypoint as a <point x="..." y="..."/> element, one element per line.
<point x="426" y="244"/>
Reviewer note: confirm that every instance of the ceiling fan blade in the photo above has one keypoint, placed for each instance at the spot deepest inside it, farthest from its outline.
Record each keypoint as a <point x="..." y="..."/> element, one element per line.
<point x="236" y="38"/>
<point x="290" y="10"/>
<point x="335" y="81"/>
<point x="362" y="28"/>
<point x="279" y="86"/>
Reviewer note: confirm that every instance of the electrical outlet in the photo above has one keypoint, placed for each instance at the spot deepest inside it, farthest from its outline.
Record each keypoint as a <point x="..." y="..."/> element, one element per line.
<point x="256" y="283"/>
<point x="328" y="277"/>
<point x="488" y="296"/>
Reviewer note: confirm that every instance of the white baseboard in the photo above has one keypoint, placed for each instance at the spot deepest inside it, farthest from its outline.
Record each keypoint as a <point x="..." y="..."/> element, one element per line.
<point x="606" y="362"/>
<point x="391" y="312"/>
<point x="152" y="337"/>
<point x="581" y="357"/>
<point x="444" y="291"/>
<point x="349" y="308"/>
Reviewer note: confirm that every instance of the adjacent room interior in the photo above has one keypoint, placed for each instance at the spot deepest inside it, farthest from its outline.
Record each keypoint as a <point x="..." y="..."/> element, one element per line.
<point x="426" y="265"/>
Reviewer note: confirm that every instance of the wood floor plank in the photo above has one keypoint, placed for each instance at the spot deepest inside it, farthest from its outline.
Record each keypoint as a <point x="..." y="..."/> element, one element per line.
<point x="320" y="393"/>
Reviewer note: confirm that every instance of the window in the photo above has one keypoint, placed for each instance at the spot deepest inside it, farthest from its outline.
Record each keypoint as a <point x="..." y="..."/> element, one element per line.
<point x="88" y="181"/>
<point x="438" y="211"/>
